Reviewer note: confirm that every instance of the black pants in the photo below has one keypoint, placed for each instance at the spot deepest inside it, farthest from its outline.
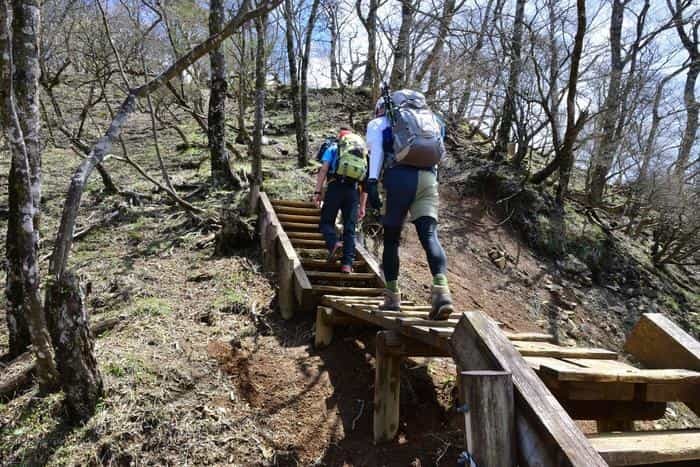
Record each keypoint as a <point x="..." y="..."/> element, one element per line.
<point x="344" y="197"/>
<point x="426" y="227"/>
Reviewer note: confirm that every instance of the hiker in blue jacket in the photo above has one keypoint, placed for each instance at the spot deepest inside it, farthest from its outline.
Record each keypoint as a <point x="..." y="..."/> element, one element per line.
<point x="344" y="166"/>
<point x="407" y="189"/>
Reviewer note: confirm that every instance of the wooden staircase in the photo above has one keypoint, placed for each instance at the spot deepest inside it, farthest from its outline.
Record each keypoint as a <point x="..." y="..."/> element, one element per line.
<point x="552" y="385"/>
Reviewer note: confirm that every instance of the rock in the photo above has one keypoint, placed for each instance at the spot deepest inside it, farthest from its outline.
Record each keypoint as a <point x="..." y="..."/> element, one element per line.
<point x="574" y="266"/>
<point x="265" y="141"/>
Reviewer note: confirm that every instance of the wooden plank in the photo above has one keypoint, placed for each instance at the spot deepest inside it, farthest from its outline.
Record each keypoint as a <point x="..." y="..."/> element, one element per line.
<point x="545" y="435"/>
<point x="427" y="322"/>
<point x="652" y="447"/>
<point x="295" y="203"/>
<point x="305" y="235"/>
<point x="355" y="276"/>
<point x="305" y="243"/>
<point x="658" y="342"/>
<point x="400" y="314"/>
<point x="331" y="289"/>
<point x="294" y="226"/>
<point x="489" y="417"/>
<point x="633" y="375"/>
<point x="372" y="263"/>
<point x="299" y="219"/>
<point x="268" y="227"/>
<point x="530" y="336"/>
<point x="409" y="347"/>
<point x="323" y="265"/>
<point x="387" y="388"/>
<point x="298" y="211"/>
<point x="545" y="349"/>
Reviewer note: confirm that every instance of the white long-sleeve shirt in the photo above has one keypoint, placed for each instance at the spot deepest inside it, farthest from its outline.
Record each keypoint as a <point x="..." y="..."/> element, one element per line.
<point x="375" y="144"/>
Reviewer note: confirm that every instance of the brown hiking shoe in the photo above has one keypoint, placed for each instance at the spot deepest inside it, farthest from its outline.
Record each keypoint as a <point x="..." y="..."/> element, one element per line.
<point x="442" y="303"/>
<point x="392" y="301"/>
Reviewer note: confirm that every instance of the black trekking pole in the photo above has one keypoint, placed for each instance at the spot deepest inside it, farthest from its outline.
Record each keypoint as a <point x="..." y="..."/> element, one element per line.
<point x="388" y="103"/>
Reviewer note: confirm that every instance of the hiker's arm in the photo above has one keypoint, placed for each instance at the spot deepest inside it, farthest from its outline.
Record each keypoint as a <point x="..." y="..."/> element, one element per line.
<point x="375" y="147"/>
<point x="363" y="205"/>
<point x="320" y="179"/>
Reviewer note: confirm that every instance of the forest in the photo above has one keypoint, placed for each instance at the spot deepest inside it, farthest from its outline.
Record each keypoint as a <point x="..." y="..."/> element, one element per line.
<point x="139" y="324"/>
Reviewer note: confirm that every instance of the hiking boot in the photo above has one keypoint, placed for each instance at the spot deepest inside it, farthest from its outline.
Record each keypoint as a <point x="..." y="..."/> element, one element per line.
<point x="335" y="253"/>
<point x="442" y="303"/>
<point x="392" y="301"/>
<point x="346" y="269"/>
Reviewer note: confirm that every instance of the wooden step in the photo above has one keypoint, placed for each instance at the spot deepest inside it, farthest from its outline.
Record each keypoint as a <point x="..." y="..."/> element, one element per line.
<point x="644" y="448"/>
<point x="530" y="336"/>
<point x="297" y="211"/>
<point x="545" y="349"/>
<point x="335" y="290"/>
<point x="355" y="276"/>
<point x="630" y="375"/>
<point x="305" y="235"/>
<point x="299" y="219"/>
<point x="305" y="243"/>
<point x="323" y="265"/>
<point x="294" y="203"/>
<point x="294" y="226"/>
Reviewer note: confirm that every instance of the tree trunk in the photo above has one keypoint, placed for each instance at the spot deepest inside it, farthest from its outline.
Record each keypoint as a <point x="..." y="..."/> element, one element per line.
<point x="508" y="114"/>
<point x="294" y="82"/>
<point x="256" y="149"/>
<point x="691" y="126"/>
<point x="22" y="187"/>
<point x="221" y="174"/>
<point x="72" y="339"/>
<point x="333" y="30"/>
<point x="370" y="76"/>
<point x="304" y="93"/>
<point x="401" y="52"/>
<point x="607" y="146"/>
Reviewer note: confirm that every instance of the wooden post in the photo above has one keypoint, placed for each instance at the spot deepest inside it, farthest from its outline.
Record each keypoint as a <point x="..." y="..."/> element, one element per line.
<point x="324" y="328"/>
<point x="285" y="278"/>
<point x="387" y="389"/>
<point x="489" y="417"/>
<point x="545" y="434"/>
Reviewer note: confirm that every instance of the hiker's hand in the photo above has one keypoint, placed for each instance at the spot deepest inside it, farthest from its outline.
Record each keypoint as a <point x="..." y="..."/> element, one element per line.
<point x="317" y="200"/>
<point x="373" y="194"/>
<point x="361" y="213"/>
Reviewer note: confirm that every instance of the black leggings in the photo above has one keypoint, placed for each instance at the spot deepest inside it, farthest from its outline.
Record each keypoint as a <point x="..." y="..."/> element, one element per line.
<point x="426" y="227"/>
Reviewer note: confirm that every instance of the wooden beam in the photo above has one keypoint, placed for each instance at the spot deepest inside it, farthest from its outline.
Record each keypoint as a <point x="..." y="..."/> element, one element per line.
<point x="295" y="226"/>
<point x="409" y="347"/>
<point x="341" y="276"/>
<point x="387" y="388"/>
<point x="305" y="235"/>
<point x="305" y="243"/>
<point x="296" y="203"/>
<point x="371" y="262"/>
<point x="658" y="342"/>
<point x="299" y="211"/>
<point x="489" y="417"/>
<point x="651" y="447"/>
<point x="530" y="336"/>
<point x="545" y="349"/>
<point x="335" y="290"/>
<point x="323" y="265"/>
<point x="545" y="435"/>
<point x="300" y="219"/>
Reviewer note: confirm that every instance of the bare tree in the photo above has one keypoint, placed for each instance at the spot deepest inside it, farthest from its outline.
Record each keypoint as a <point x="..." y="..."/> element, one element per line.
<point x="508" y="113"/>
<point x="399" y="73"/>
<point x="19" y="43"/>
<point x="256" y="147"/>
<point x="369" y="22"/>
<point x="691" y="43"/>
<point x="220" y="168"/>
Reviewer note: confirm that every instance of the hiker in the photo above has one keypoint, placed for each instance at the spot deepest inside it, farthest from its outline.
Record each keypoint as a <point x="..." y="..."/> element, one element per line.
<point x="345" y="168"/>
<point x="405" y="145"/>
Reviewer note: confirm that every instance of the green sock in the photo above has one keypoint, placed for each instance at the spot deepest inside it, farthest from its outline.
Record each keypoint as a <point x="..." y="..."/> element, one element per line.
<point x="440" y="279"/>
<point x="393" y="286"/>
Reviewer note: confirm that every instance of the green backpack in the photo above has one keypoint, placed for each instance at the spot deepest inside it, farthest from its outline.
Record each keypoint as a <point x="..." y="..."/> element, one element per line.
<point x="352" y="157"/>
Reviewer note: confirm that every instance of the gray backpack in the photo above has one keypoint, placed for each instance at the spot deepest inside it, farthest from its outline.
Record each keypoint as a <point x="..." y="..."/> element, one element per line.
<point x="417" y="131"/>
